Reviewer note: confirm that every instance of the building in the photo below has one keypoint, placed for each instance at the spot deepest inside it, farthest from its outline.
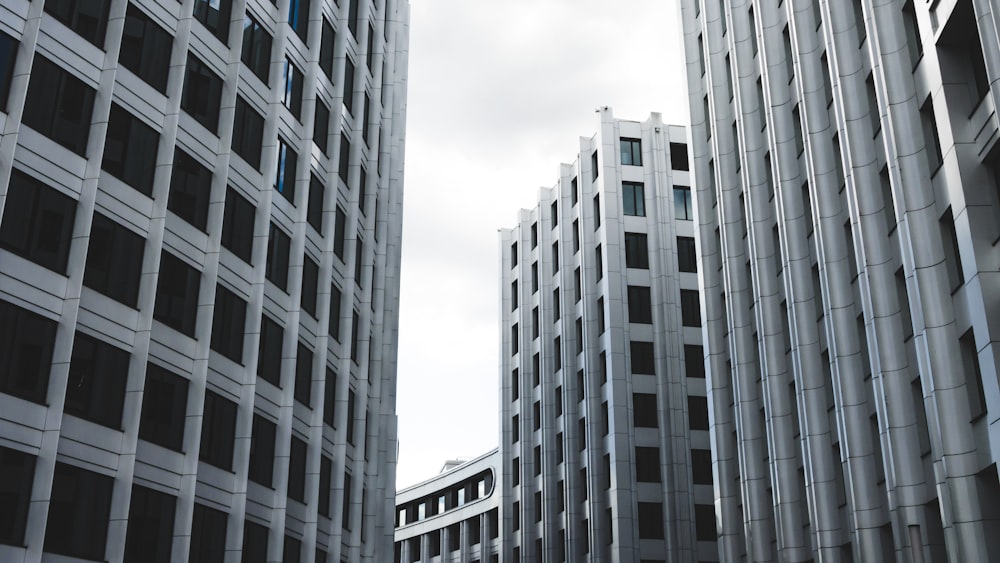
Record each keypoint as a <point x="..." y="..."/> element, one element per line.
<point x="453" y="516"/>
<point x="846" y="156"/>
<point x="604" y="422"/>
<point x="199" y="247"/>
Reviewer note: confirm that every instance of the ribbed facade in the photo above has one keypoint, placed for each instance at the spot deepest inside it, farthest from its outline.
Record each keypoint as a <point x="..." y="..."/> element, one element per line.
<point x="200" y="216"/>
<point x="604" y="425"/>
<point x="847" y="202"/>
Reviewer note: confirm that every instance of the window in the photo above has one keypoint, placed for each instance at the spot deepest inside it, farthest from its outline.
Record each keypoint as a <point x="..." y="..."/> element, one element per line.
<point x="690" y="308"/>
<point x="682" y="204"/>
<point x="130" y="150"/>
<point x="366" y="116"/>
<point x="330" y="397"/>
<point x="37" y="222"/>
<point x="145" y="49"/>
<point x="334" y="320"/>
<point x="513" y="295"/>
<point x="89" y="19"/>
<point x="513" y="254"/>
<point x="164" y="408"/>
<point x="633" y="199"/>
<point x="704" y="522"/>
<point x="555" y="305"/>
<point x="597" y="212"/>
<point x="96" y="388"/>
<point x="177" y="294"/>
<point x="555" y="257"/>
<point x="636" y="252"/>
<point x="931" y="140"/>
<point x="555" y="214"/>
<point x="640" y="309"/>
<point x="701" y="467"/>
<point x="261" y="469"/>
<point x="952" y="254"/>
<point x="600" y="316"/>
<point x="248" y="133"/>
<point x="310" y="286"/>
<point x="514" y="339"/>
<point x="79" y="507"/>
<point x="298" y="18"/>
<point x="18" y="474"/>
<point x="346" y="513"/>
<point x="687" y="259"/>
<point x="349" y="85"/>
<point x="647" y="465"/>
<point x="321" y="127"/>
<point x="314" y="212"/>
<point x="641" y="354"/>
<point x="536" y="372"/>
<point x="58" y="105"/>
<point x="254" y="543"/>
<point x="256" y="48"/>
<point x="114" y="261"/>
<point x="297" y="470"/>
<point x="190" y="188"/>
<point x="237" y="225"/>
<point x="8" y="55"/>
<point x="515" y="429"/>
<point x="340" y="233"/>
<point x="973" y="375"/>
<point x="631" y="152"/>
<point x="650" y="520"/>
<point x="291" y="95"/>
<point x="150" y="526"/>
<point x="644" y="410"/>
<point x="576" y="236"/>
<point x="694" y="361"/>
<point x="208" y="535"/>
<point x="358" y="258"/>
<point x="344" y="164"/>
<point x="303" y="375"/>
<point x="325" y="473"/>
<point x="218" y="427"/>
<point x="214" y="15"/>
<point x="202" y="93"/>
<point x="698" y="413"/>
<point x="278" y="248"/>
<point x="534" y="277"/>
<point x="350" y="416"/>
<point x="328" y="39"/>
<point x="26" y="342"/>
<point x="228" y="324"/>
<point x="291" y="550"/>
<point x="284" y="180"/>
<point x="594" y="170"/>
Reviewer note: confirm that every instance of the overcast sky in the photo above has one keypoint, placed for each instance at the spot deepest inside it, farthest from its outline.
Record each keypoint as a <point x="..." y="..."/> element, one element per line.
<point x="499" y="92"/>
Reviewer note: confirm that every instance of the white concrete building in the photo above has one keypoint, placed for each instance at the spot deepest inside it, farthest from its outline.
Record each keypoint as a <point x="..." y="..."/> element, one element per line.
<point x="605" y="445"/>
<point x="200" y="208"/>
<point x="848" y="224"/>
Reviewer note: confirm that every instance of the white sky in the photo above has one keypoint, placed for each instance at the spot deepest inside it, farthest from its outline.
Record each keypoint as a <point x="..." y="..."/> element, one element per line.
<point x="499" y="92"/>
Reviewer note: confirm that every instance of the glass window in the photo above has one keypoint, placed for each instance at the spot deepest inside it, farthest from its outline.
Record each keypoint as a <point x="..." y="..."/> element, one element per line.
<point x="291" y="95"/>
<point x="298" y="18"/>
<point x="202" y="93"/>
<point x="214" y="15"/>
<point x="643" y="361"/>
<point x="640" y="308"/>
<point x="190" y="188"/>
<point x="314" y="212"/>
<point x="59" y="105"/>
<point x="37" y="222"/>
<point x="114" y="261"/>
<point x="594" y="169"/>
<point x="683" y="209"/>
<point x="310" y="285"/>
<point x="164" y="408"/>
<point x="644" y="410"/>
<point x="330" y="397"/>
<point x="704" y="522"/>
<point x="97" y="374"/>
<point x="248" y="133"/>
<point x="278" y="249"/>
<point x="291" y="550"/>
<point x="636" y="252"/>
<point x="297" y="470"/>
<point x="701" y="466"/>
<point x="79" y="507"/>
<point x="647" y="465"/>
<point x="177" y="294"/>
<point x="334" y="321"/>
<point x="18" y="471"/>
<point x="690" y="308"/>
<point x="349" y="85"/>
<point x="237" y="225"/>
<point x="325" y="470"/>
<point x="130" y="150"/>
<point x="88" y="18"/>
<point x="650" y="520"/>
<point x="321" y="126"/>
<point x="326" y="47"/>
<point x="687" y="259"/>
<point x="344" y="165"/>
<point x="679" y="156"/>
<point x="633" y="199"/>
<point x="261" y="469"/>
<point x="208" y="535"/>
<point x="631" y="150"/>
<point x="150" y="526"/>
<point x="218" y="427"/>
<point x="288" y="161"/>
<point x="303" y="375"/>
<point x="694" y="361"/>
<point x="145" y="49"/>
<point x="228" y="324"/>
<point x="8" y="55"/>
<point x="698" y="413"/>
<point x="339" y="233"/>
<point x="352" y="18"/>
<point x="256" y="48"/>
<point x="254" y="543"/>
<point x="270" y="349"/>
<point x="26" y="341"/>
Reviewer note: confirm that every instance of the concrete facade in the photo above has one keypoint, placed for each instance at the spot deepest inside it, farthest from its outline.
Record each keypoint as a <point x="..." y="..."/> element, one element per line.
<point x="847" y="205"/>
<point x="604" y="439"/>
<point x="200" y="217"/>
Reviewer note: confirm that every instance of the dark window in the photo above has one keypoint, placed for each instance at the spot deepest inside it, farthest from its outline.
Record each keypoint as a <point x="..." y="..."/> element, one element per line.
<point x="513" y="295"/>
<point x="310" y="286"/>
<point x="326" y="47"/>
<point x="269" y="354"/>
<point x="650" y="520"/>
<point x="298" y="18"/>
<point x="114" y="261"/>
<point x="349" y="85"/>
<point x="640" y="309"/>
<point x="37" y="222"/>
<point x="177" y="294"/>
<point x="291" y="551"/>
<point x="228" y="324"/>
<point x="366" y="116"/>
<point x="647" y="465"/>
<point x="297" y="470"/>
<point x="576" y="236"/>
<point x="555" y="213"/>
<point x="350" y="416"/>
<point x="698" y="413"/>
<point x="79" y="506"/>
<point x="694" y="360"/>
<point x="644" y="410"/>
<point x="150" y="526"/>
<point x="26" y="342"/>
<point x="334" y="321"/>
<point x="631" y="151"/>
<point x="314" y="213"/>
<point x="371" y="47"/>
<point x="690" y="309"/>
<point x="340" y="233"/>
<point x="202" y="93"/>
<point x="164" y="408"/>
<point x="97" y="375"/>
<point x="574" y="191"/>
<point x="284" y="180"/>
<point x="687" y="259"/>
<point x="8" y="55"/>
<point x="513" y="254"/>
<point x="577" y="285"/>
<point x="352" y="18"/>
<point x="321" y="126"/>
<point x="636" y="251"/>
<point x="58" y="105"/>
<point x="208" y="535"/>
<point x="17" y="473"/>
<point x="701" y="467"/>
<point x="254" y="543"/>
<point x="679" y="156"/>
<point x="130" y="150"/>
<point x="346" y="512"/>
<point x="344" y="164"/>
<point x="237" y="225"/>
<point x="634" y="199"/>
<point x="325" y="471"/>
<point x="214" y="15"/>
<point x="278" y="248"/>
<point x="261" y="469"/>
<point x="355" y="337"/>
<point x="256" y="48"/>
<point x="594" y="169"/>
<point x="514" y="339"/>
<point x="291" y="94"/>
<point x="597" y="211"/>
<point x="248" y="133"/>
<point x="534" y="235"/>
<point x="190" y="188"/>
<point x="218" y="427"/>
<point x="88" y="18"/>
<point x="303" y="375"/>
<point x="145" y="49"/>
<point x="683" y="209"/>
<point x="643" y="362"/>
<point x="534" y="277"/>
<point x="704" y="522"/>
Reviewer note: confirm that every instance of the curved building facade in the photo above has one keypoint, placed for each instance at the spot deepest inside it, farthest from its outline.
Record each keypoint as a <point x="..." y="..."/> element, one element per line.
<point x="200" y="207"/>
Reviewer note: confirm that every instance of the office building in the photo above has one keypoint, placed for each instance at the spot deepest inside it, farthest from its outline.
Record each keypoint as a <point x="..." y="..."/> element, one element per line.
<point x="604" y="422"/>
<point x="199" y="250"/>
<point x="848" y="219"/>
<point x="453" y="516"/>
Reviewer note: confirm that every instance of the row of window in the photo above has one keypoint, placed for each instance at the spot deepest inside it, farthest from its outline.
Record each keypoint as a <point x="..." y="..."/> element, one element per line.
<point x="455" y="496"/>
<point x="431" y="541"/>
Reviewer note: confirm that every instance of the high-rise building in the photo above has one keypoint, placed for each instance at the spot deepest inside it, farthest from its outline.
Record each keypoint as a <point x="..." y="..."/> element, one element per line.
<point x="604" y="421"/>
<point x="199" y="247"/>
<point x="848" y="223"/>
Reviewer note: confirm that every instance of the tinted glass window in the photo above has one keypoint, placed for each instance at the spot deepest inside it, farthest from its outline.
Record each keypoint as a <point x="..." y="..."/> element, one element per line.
<point x="326" y="45"/>
<point x="349" y="85"/>
<point x="269" y="355"/>
<point x="303" y="375"/>
<point x="636" y="251"/>
<point x="298" y="18"/>
<point x="256" y="48"/>
<point x="321" y="126"/>
<point x="297" y="470"/>
<point x="37" y="222"/>
<point x="339" y="233"/>
<point x="248" y="133"/>
<point x="26" y="341"/>
<point x="218" y="429"/>
<point x="254" y="543"/>
<point x="177" y="294"/>
<point x="278" y="249"/>
<point x="130" y="150"/>
<point x="17" y="474"/>
<point x="164" y="408"/>
<point x="208" y="535"/>
<point x="79" y="506"/>
<point x="261" y="468"/>
<point x="88" y="18"/>
<point x="310" y="286"/>
<point x="58" y="105"/>
<point x="8" y="54"/>
<point x="145" y="48"/>
<point x="291" y="94"/>
<point x="190" y="188"/>
<point x="284" y="180"/>
<point x="114" y="261"/>
<point x="314" y="214"/>
<point x="150" y="526"/>
<point x="202" y="93"/>
<point x="97" y="375"/>
<point x="334" y="321"/>
<point x="237" y="225"/>
<point x="228" y="324"/>
<point x="214" y="15"/>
